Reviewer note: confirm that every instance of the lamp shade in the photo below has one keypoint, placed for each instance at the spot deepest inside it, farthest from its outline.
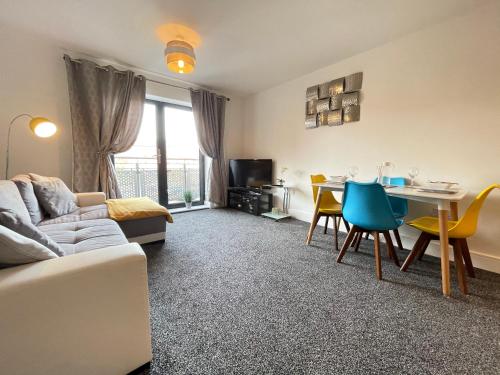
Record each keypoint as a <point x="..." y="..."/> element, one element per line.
<point x="42" y="127"/>
<point x="179" y="57"/>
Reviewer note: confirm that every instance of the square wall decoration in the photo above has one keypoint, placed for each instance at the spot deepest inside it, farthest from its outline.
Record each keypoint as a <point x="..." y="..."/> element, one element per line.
<point x="334" y="103"/>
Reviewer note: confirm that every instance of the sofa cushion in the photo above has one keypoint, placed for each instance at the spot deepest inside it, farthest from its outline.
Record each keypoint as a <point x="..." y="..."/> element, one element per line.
<point x="16" y="249"/>
<point x="82" y="213"/>
<point x="55" y="197"/>
<point x="13" y="221"/>
<point x="85" y="235"/>
<point x="10" y="199"/>
<point x="25" y="188"/>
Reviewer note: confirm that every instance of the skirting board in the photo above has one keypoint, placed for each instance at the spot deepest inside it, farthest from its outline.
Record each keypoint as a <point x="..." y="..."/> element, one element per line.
<point x="147" y="238"/>
<point x="479" y="259"/>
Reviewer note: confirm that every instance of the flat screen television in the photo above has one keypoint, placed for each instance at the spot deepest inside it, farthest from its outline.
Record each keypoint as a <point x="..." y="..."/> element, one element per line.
<point x="250" y="172"/>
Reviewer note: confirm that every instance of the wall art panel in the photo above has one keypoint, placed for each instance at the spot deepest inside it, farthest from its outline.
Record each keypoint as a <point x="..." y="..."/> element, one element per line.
<point x="335" y="102"/>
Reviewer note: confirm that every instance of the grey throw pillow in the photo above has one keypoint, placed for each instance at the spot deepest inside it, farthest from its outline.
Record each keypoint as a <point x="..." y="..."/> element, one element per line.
<point x="55" y="197"/>
<point x="37" y="177"/>
<point x="10" y="199"/>
<point x="16" y="249"/>
<point x="15" y="223"/>
<point x="29" y="198"/>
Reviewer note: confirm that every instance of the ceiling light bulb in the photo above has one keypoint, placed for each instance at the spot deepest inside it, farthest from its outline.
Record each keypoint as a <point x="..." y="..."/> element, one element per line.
<point x="180" y="63"/>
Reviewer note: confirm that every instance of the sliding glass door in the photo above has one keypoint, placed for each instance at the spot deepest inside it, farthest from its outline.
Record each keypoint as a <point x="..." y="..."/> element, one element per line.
<point x="165" y="160"/>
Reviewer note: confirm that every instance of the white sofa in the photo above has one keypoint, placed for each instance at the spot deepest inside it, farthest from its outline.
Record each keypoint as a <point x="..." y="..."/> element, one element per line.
<point x="84" y="313"/>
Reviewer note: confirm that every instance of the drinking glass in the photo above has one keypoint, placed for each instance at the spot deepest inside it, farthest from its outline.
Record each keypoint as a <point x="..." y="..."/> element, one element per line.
<point x="413" y="172"/>
<point x="353" y="171"/>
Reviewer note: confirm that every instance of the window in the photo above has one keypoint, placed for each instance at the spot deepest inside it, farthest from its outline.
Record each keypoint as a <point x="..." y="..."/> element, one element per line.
<point x="165" y="160"/>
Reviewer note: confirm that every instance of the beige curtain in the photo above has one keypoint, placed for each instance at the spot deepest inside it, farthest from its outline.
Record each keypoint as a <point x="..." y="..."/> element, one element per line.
<point x="209" y="114"/>
<point x="106" y="113"/>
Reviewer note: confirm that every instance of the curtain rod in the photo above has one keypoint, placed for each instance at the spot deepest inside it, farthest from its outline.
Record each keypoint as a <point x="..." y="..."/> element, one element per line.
<point x="180" y="87"/>
<point x="147" y="79"/>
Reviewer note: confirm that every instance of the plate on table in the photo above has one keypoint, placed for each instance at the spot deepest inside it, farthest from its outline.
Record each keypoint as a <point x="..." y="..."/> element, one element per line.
<point x="427" y="189"/>
<point x="442" y="185"/>
<point x="337" y="179"/>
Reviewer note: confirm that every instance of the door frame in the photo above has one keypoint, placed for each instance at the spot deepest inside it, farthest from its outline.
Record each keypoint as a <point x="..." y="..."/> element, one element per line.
<point x="161" y="150"/>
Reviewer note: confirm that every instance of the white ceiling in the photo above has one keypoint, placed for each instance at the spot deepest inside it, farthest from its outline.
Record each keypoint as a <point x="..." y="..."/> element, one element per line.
<point x="247" y="46"/>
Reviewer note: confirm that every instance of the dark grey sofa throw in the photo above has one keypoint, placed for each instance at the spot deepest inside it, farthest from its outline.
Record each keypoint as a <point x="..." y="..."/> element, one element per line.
<point x="106" y="113"/>
<point x="209" y="115"/>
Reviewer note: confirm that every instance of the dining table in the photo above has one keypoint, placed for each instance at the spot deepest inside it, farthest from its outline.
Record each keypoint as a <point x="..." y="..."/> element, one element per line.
<point x="446" y="202"/>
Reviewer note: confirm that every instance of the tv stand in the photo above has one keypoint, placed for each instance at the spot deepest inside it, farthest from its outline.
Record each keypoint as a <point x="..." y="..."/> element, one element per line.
<point x="251" y="200"/>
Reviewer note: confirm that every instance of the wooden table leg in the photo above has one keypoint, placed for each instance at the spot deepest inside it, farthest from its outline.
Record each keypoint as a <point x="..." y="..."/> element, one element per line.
<point x="315" y="215"/>
<point x="445" y="255"/>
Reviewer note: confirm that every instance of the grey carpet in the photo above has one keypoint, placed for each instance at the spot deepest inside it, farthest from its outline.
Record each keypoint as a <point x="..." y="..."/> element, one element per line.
<point x="236" y="294"/>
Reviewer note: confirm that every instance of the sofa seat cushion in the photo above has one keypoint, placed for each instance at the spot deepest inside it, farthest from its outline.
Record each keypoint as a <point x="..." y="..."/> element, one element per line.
<point x="99" y="211"/>
<point x="85" y="235"/>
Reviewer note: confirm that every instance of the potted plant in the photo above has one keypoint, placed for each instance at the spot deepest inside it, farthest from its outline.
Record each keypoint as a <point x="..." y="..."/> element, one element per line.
<point x="188" y="199"/>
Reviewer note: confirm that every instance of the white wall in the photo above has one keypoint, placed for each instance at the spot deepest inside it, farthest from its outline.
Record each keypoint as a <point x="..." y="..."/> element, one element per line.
<point x="33" y="80"/>
<point x="430" y="99"/>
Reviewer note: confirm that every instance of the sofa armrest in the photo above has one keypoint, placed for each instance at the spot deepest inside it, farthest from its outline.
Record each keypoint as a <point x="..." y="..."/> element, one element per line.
<point x="90" y="199"/>
<point x="79" y="314"/>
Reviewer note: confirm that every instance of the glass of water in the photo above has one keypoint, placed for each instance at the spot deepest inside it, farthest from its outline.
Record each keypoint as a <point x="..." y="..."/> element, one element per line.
<point x="413" y="172"/>
<point x="353" y="171"/>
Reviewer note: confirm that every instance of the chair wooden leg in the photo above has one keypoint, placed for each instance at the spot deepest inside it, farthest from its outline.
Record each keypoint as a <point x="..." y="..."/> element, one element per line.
<point x="355" y="239"/>
<point x="424" y="246"/>
<point x="336" y="233"/>
<point x="389" y="254"/>
<point x="467" y="259"/>
<point x="348" y="240"/>
<point x="414" y="252"/>
<point x="326" y="224"/>
<point x="390" y="248"/>
<point x="346" y="224"/>
<point x="459" y="266"/>
<point x="358" y="241"/>
<point x="378" y="263"/>
<point x="398" y="239"/>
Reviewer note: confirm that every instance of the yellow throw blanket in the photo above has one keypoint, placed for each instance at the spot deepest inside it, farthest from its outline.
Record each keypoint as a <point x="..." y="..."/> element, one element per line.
<point x="136" y="208"/>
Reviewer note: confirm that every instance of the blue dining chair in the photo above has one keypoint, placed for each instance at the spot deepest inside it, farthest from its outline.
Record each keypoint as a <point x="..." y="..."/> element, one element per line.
<point x="367" y="207"/>
<point x="399" y="205"/>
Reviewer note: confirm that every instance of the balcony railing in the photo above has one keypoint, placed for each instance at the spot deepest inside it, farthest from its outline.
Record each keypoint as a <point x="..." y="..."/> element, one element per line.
<point x="138" y="177"/>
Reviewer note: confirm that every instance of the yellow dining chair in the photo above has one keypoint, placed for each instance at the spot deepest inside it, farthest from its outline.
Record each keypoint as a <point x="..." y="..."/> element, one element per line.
<point x="329" y="207"/>
<point x="458" y="232"/>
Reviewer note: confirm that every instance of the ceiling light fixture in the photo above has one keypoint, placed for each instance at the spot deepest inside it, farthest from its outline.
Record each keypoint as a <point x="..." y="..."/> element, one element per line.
<point x="179" y="57"/>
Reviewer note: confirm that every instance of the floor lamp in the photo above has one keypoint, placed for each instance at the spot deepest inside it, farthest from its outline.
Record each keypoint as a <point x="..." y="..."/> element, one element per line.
<point x="40" y="126"/>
